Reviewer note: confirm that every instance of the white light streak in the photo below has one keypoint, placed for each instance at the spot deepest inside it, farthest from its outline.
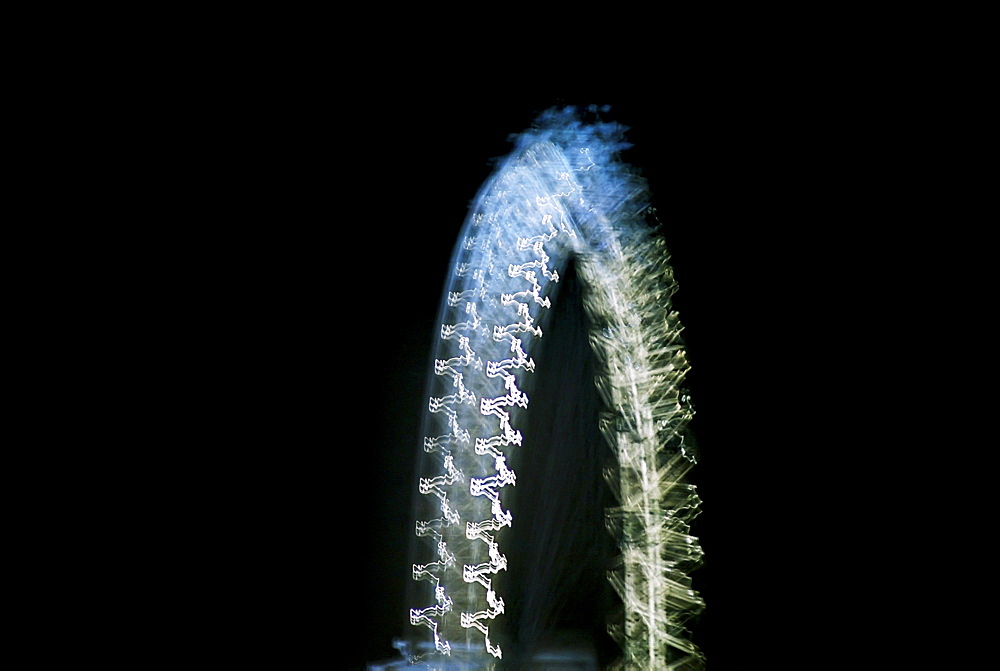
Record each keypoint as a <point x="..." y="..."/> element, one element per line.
<point x="561" y="193"/>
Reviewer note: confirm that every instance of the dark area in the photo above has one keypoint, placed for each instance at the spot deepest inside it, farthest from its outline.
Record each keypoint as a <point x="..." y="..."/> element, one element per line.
<point x="560" y="552"/>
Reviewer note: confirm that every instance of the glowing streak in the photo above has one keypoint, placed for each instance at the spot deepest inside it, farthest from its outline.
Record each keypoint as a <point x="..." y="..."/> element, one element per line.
<point x="561" y="194"/>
